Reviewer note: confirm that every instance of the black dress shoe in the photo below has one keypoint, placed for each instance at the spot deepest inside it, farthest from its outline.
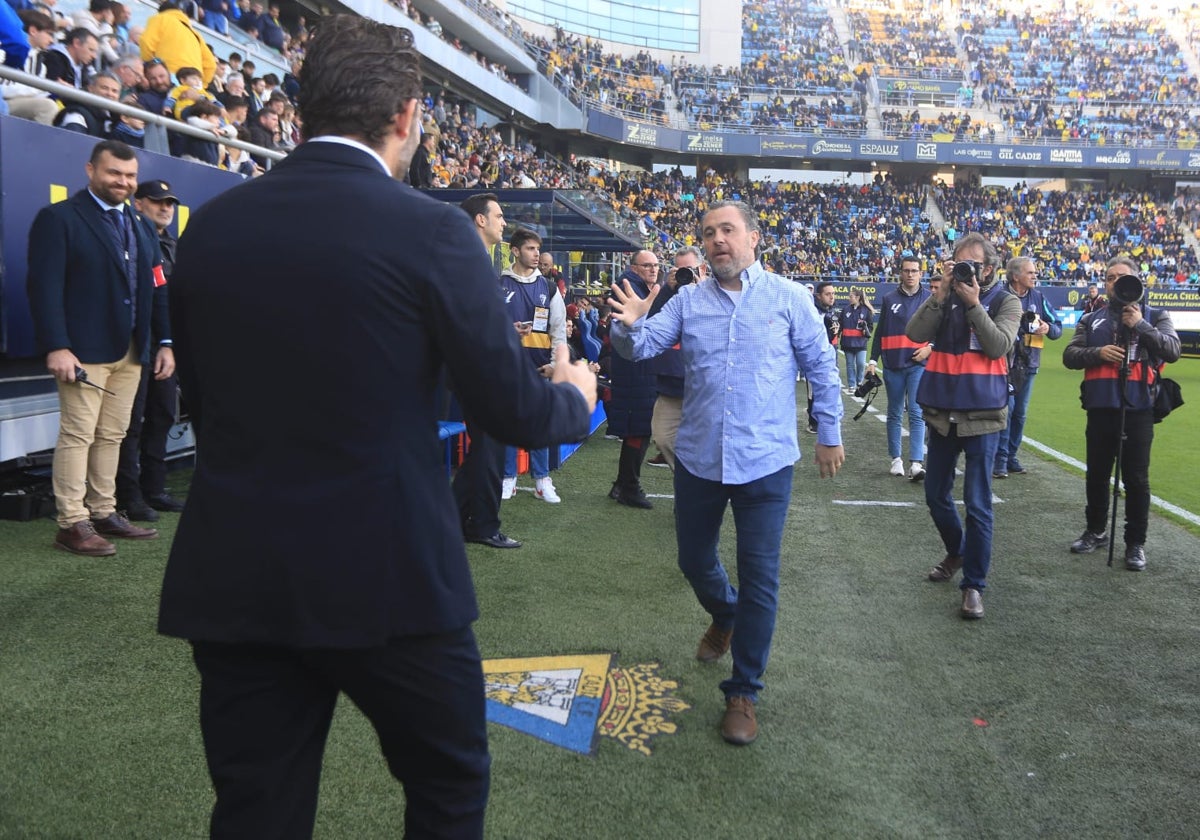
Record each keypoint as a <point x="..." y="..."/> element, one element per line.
<point x="139" y="511"/>
<point x="165" y="502"/>
<point x="496" y="540"/>
<point x="635" y="498"/>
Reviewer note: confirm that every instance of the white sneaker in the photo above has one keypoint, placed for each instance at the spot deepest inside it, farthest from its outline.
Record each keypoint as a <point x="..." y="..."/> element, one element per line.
<point x="916" y="471"/>
<point x="508" y="488"/>
<point x="544" y="490"/>
<point x="897" y="467"/>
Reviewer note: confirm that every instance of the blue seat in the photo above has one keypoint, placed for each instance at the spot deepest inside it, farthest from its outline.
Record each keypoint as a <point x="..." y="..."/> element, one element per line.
<point x="447" y="431"/>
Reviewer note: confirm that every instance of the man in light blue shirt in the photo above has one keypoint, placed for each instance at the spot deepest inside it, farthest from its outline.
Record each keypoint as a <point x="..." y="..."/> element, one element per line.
<point x="744" y="335"/>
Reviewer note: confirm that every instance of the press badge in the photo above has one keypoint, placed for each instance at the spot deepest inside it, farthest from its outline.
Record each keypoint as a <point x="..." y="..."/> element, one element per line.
<point x="975" y="345"/>
<point x="541" y="319"/>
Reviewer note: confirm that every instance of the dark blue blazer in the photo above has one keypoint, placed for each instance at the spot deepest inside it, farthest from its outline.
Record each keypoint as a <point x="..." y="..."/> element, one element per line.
<point x="320" y="514"/>
<point x="78" y="292"/>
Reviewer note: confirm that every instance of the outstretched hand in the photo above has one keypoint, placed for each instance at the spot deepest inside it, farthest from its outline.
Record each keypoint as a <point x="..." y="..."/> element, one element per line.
<point x="627" y="307"/>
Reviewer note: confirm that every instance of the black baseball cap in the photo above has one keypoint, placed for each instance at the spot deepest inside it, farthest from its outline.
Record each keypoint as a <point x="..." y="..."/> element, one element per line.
<point x="156" y="191"/>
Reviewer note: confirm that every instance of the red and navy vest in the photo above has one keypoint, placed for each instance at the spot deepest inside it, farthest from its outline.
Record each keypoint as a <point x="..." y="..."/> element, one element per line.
<point x="854" y="338"/>
<point x="895" y="347"/>
<point x="1100" y="388"/>
<point x="957" y="377"/>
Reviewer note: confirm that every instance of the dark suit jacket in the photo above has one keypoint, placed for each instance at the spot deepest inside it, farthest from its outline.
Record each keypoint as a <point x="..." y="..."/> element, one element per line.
<point x="320" y="514"/>
<point x="78" y="292"/>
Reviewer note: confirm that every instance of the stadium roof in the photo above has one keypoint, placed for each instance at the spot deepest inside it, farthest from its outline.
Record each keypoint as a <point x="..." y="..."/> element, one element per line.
<point x="567" y="220"/>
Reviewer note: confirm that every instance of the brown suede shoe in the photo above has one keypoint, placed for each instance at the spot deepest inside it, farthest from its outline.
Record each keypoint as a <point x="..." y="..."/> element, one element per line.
<point x="116" y="525"/>
<point x="81" y="538"/>
<point x="739" y="726"/>
<point x="945" y="570"/>
<point x="972" y="605"/>
<point x="714" y="643"/>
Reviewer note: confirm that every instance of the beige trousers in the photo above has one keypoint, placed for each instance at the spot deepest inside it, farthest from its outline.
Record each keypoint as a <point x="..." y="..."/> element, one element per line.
<point x="664" y="425"/>
<point x="91" y="427"/>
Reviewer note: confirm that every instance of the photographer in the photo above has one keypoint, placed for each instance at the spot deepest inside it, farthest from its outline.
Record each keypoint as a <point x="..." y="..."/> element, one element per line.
<point x="972" y="322"/>
<point x="1099" y="349"/>
<point x="824" y="298"/>
<point x="688" y="268"/>
<point x="903" y="364"/>
<point x="856" y="321"/>
<point x="1037" y="324"/>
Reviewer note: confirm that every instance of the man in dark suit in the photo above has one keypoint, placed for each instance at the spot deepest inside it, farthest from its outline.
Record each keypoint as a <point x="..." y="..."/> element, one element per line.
<point x="320" y="550"/>
<point x="96" y="291"/>
<point x="477" y="482"/>
<point x="142" y="470"/>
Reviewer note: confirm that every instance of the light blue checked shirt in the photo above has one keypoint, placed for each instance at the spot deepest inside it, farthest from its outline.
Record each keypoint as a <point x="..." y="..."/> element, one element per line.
<point x="741" y="360"/>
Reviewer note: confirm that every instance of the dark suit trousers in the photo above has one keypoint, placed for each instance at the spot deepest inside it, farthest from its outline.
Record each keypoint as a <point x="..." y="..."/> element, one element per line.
<point x="477" y="484"/>
<point x="265" y="713"/>
<point x="142" y="470"/>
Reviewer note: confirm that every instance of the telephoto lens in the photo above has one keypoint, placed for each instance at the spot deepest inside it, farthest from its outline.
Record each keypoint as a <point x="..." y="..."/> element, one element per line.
<point x="683" y="276"/>
<point x="1128" y="289"/>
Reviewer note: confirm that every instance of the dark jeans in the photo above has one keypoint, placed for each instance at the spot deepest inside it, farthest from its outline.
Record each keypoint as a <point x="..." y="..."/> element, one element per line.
<point x="142" y="469"/>
<point x="759" y="511"/>
<point x="477" y="484"/>
<point x="974" y="543"/>
<point x="1103" y="435"/>
<point x="265" y="713"/>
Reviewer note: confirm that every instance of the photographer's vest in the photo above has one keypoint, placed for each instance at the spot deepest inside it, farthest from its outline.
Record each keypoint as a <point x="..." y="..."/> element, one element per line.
<point x="959" y="376"/>
<point x="1100" y="382"/>
<point x="896" y="347"/>
<point x="531" y="302"/>
<point x="1033" y="301"/>
<point x="854" y="338"/>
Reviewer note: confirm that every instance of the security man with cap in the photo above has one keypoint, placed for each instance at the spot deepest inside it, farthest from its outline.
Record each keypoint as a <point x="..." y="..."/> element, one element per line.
<point x="142" y="468"/>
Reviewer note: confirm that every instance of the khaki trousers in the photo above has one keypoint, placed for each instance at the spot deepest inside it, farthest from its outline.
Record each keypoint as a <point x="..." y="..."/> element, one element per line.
<point x="664" y="425"/>
<point x="91" y="427"/>
<point x="41" y="109"/>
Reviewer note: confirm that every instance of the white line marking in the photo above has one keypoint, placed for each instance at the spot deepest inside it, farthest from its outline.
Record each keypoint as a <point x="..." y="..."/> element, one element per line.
<point x="865" y="503"/>
<point x="1154" y="500"/>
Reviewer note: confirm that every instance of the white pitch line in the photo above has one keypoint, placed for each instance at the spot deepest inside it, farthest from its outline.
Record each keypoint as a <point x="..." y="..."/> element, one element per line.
<point x="865" y="503"/>
<point x="1074" y="462"/>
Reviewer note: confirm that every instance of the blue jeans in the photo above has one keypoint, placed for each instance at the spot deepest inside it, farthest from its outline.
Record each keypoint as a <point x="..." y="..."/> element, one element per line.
<point x="217" y="22"/>
<point x="759" y="511"/>
<point x="539" y="462"/>
<point x="856" y="367"/>
<point x="1011" y="437"/>
<point x="902" y="385"/>
<point x="975" y="544"/>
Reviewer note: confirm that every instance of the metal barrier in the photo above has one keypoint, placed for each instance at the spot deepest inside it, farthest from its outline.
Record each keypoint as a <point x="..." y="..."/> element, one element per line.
<point x="167" y="123"/>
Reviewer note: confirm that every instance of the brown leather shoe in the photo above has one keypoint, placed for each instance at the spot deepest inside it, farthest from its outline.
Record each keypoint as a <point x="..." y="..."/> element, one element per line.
<point x="739" y="726"/>
<point x="945" y="570"/>
<point x="81" y="538"/>
<point x="116" y="525"/>
<point x="714" y="643"/>
<point x="972" y="605"/>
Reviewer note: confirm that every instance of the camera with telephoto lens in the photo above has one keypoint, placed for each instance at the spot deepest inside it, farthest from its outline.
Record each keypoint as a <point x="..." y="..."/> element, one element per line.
<point x="1127" y="289"/>
<point x="684" y="275"/>
<point x="967" y="271"/>
<point x="870" y="382"/>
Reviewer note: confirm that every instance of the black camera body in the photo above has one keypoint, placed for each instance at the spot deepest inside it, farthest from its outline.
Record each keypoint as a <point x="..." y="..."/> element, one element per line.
<point x="870" y="382"/>
<point x="685" y="275"/>
<point x="967" y="271"/>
